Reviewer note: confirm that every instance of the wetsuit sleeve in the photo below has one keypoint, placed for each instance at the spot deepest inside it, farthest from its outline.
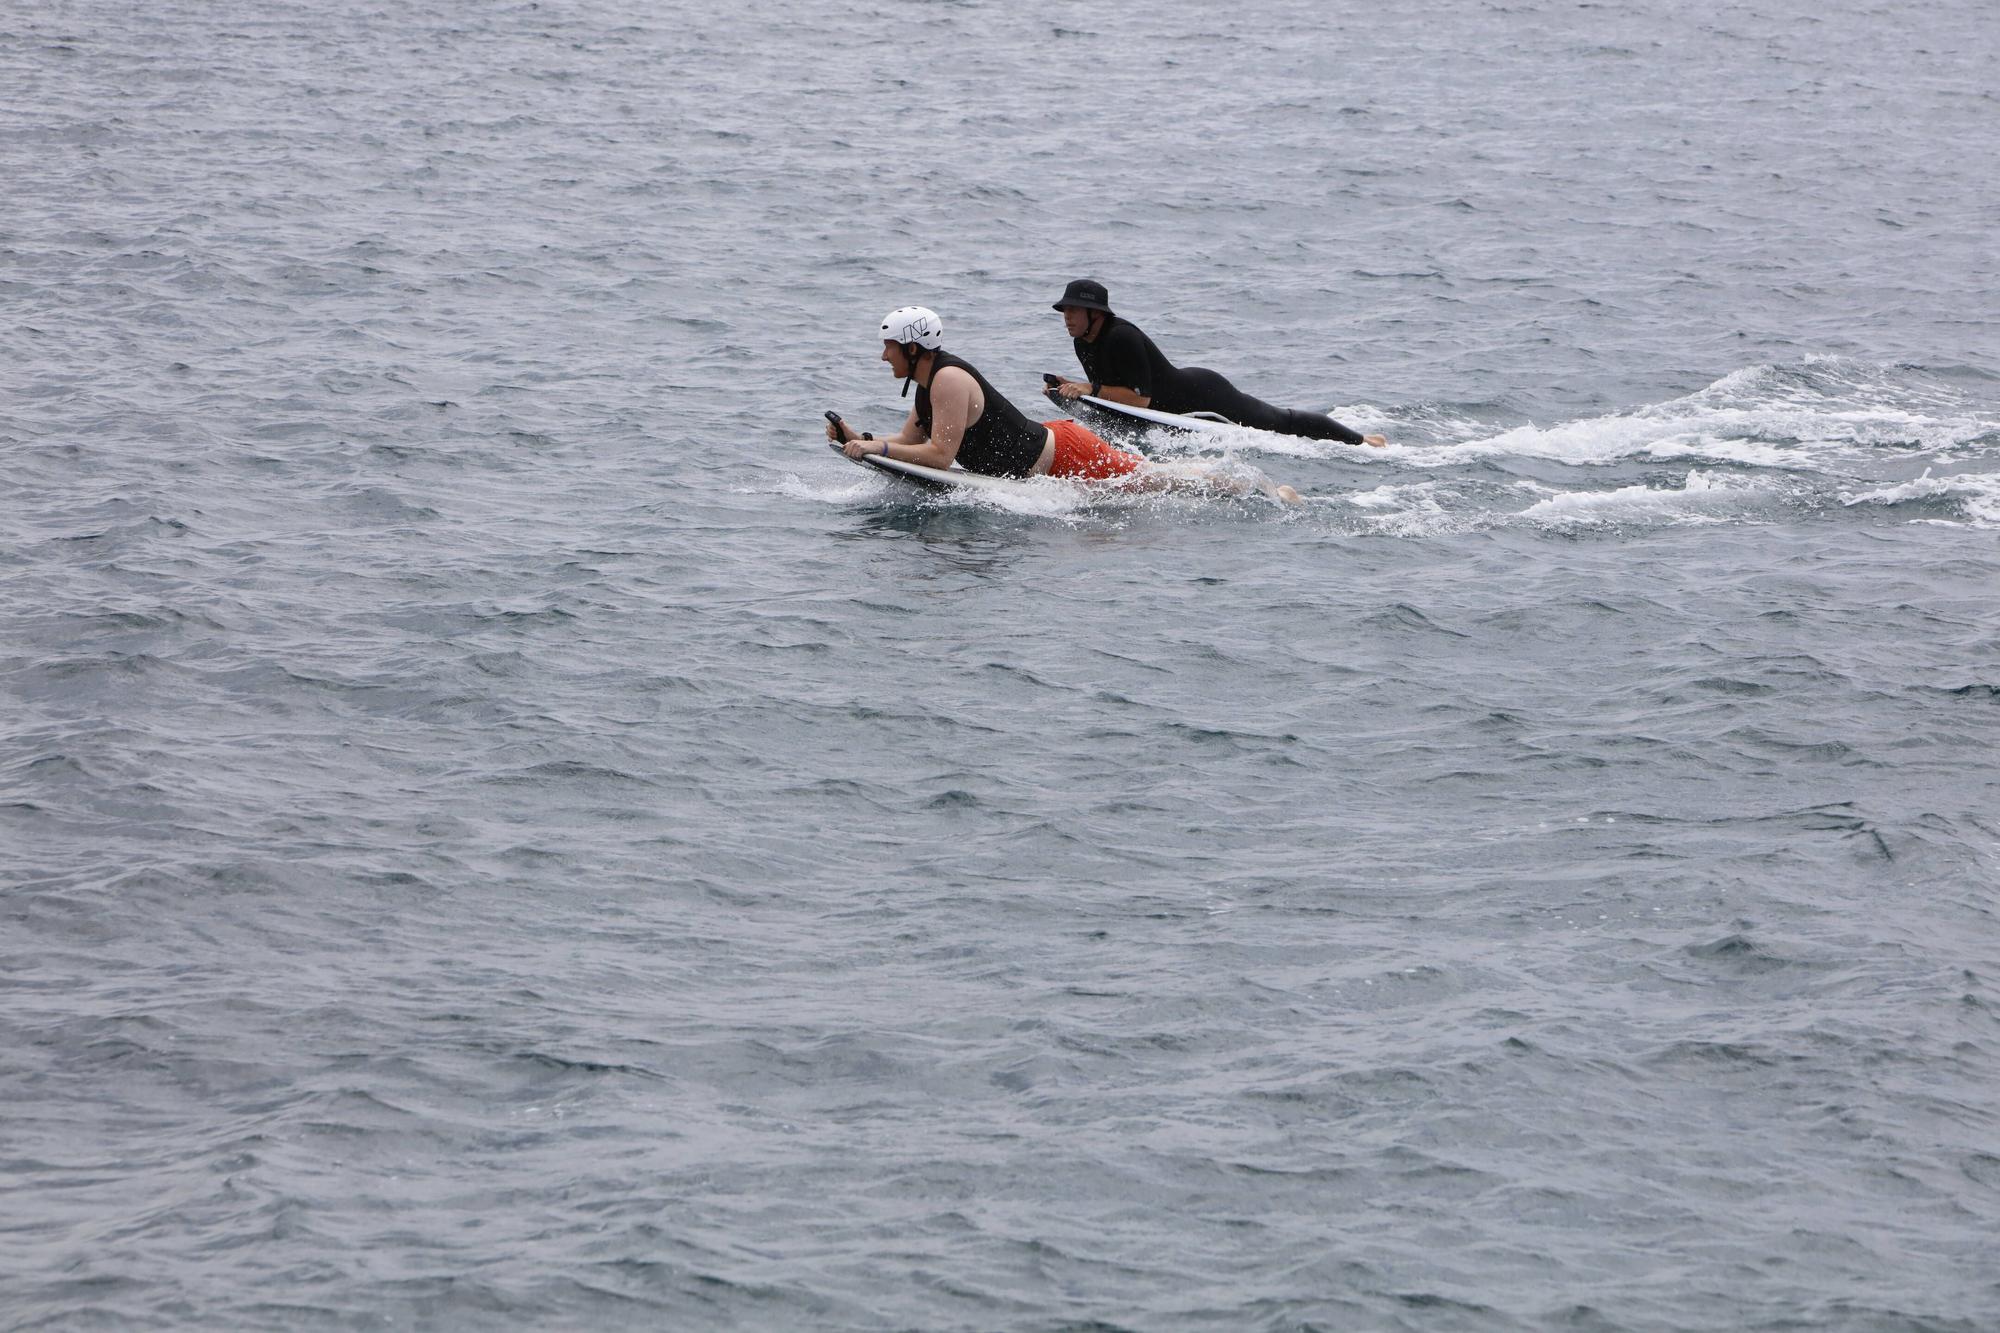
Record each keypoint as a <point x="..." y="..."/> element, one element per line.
<point x="1122" y="362"/>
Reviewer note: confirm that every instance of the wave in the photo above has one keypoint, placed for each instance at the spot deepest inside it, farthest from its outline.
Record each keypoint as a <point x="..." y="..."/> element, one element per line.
<point x="1823" y="413"/>
<point x="1802" y="416"/>
<point x="1704" y="498"/>
<point x="1970" y="497"/>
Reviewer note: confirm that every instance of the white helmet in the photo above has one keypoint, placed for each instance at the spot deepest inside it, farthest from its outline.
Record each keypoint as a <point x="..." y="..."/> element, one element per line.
<point x="913" y="324"/>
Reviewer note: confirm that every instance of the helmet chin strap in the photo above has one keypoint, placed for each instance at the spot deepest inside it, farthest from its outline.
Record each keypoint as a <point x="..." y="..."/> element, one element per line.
<point x="911" y="378"/>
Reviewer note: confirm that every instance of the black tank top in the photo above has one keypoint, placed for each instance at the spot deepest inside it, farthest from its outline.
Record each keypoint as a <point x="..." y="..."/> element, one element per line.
<point x="1003" y="442"/>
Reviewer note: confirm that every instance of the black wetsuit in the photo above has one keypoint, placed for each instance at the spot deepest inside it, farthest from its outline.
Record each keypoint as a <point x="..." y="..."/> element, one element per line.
<point x="1003" y="442"/>
<point x="1124" y="357"/>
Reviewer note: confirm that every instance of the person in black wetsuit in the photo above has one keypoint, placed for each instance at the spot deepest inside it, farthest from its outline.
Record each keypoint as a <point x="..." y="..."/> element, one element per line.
<point x="1124" y="366"/>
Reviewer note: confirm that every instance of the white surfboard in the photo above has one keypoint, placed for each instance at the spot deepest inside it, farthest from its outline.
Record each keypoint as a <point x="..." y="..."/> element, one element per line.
<point x="1102" y="413"/>
<point x="936" y="479"/>
<point x="957" y="478"/>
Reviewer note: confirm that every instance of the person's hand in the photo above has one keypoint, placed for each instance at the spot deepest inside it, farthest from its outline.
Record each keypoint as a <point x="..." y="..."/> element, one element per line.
<point x="1376" y="441"/>
<point x="1071" y="389"/>
<point x="833" y="433"/>
<point x="855" y="447"/>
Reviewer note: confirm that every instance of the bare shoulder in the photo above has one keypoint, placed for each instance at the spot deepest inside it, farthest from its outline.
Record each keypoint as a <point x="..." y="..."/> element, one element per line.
<point x="953" y="385"/>
<point x="952" y="380"/>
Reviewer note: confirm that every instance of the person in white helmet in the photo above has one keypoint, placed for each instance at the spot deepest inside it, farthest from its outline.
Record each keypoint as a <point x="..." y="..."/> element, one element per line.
<point x="959" y="417"/>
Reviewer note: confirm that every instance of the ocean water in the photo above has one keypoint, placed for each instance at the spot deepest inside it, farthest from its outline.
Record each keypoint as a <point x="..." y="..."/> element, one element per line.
<point x="501" y="828"/>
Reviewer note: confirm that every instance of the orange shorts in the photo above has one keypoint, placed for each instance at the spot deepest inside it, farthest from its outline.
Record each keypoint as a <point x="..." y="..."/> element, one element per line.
<point x="1081" y="454"/>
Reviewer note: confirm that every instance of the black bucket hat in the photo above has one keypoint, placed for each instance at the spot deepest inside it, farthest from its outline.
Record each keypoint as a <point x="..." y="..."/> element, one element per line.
<point x="1084" y="294"/>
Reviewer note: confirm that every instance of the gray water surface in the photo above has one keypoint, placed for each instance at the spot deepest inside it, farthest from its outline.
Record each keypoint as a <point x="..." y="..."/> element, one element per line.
<point x="500" y="827"/>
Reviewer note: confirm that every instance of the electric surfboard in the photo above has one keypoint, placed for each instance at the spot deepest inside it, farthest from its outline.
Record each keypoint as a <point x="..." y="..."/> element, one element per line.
<point x="1103" y="414"/>
<point x="936" y="479"/>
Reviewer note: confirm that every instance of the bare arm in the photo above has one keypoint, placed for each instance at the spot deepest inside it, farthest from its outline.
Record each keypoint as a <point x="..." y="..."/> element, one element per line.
<point x="956" y="403"/>
<point x="855" y="447"/>
<point x="1110" y="393"/>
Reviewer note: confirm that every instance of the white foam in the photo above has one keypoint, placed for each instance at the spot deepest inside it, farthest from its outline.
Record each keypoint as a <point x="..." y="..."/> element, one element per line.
<point x="1925" y="487"/>
<point x="1795" y="418"/>
<point x="1703" y="499"/>
<point x="1384" y="497"/>
<point x="1241" y="439"/>
<point x="1412" y="510"/>
<point x="840" y="493"/>
<point x="1039" y="497"/>
<point x="1600" y="440"/>
<point x="1231" y="439"/>
<point x="1977" y="495"/>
